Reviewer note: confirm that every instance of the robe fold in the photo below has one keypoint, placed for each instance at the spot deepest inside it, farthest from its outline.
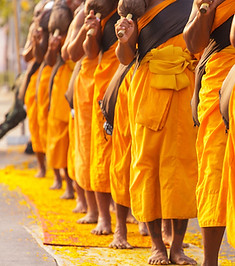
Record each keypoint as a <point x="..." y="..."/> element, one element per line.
<point x="58" y="119"/>
<point x="212" y="138"/>
<point x="163" y="172"/>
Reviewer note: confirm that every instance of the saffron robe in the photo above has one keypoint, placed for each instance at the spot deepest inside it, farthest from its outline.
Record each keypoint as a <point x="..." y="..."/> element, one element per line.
<point x="163" y="172"/>
<point x="71" y="149"/>
<point x="101" y="145"/>
<point x="31" y="109"/>
<point x="211" y="139"/>
<point x="43" y="105"/>
<point x="229" y="174"/>
<point x="227" y="190"/>
<point x="58" y="118"/>
<point x="121" y="146"/>
<point x="83" y="102"/>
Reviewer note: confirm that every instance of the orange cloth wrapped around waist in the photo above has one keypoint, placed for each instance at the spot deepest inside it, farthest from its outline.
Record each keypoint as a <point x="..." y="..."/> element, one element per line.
<point x="163" y="173"/>
<point x="101" y="145"/>
<point x="211" y="140"/>
<point x="121" y="146"/>
<point x="43" y="104"/>
<point x="83" y="101"/>
<point x="58" y="136"/>
<point x="32" y="111"/>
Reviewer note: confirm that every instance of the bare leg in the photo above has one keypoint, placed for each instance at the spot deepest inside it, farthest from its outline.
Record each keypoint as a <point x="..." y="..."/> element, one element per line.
<point x="92" y="212"/>
<point x="143" y="229"/>
<point x="41" y="164"/>
<point x="120" y="235"/>
<point x="212" y="237"/>
<point x="159" y="252"/>
<point x="167" y="233"/>
<point x="57" y="180"/>
<point x="81" y="206"/>
<point x="112" y="206"/>
<point x="69" y="191"/>
<point x="177" y="255"/>
<point x="130" y="218"/>
<point x="104" y="220"/>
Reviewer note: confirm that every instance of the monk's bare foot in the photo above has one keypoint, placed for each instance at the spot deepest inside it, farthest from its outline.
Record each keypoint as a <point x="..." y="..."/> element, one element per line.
<point x="120" y="238"/>
<point x="159" y="257"/>
<point x="90" y="218"/>
<point x="119" y="242"/>
<point x="81" y="207"/>
<point x="143" y="229"/>
<point x="131" y="219"/>
<point x="67" y="195"/>
<point x="41" y="173"/>
<point x="56" y="185"/>
<point x="178" y="257"/>
<point x="103" y="227"/>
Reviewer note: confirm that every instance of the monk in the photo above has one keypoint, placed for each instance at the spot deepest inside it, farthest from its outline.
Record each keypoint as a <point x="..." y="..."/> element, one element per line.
<point x="102" y="39"/>
<point x="228" y="168"/>
<point x="81" y="206"/>
<point x="58" y="117"/>
<point x="208" y="32"/>
<point x="83" y="99"/>
<point x="163" y="165"/>
<point x="39" y="47"/>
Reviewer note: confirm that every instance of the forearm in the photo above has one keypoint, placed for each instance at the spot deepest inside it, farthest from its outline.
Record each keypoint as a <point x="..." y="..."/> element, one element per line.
<point x="40" y="49"/>
<point x="198" y="29"/>
<point x="125" y="53"/>
<point x="91" y="46"/>
<point x="51" y="57"/>
<point x="75" y="48"/>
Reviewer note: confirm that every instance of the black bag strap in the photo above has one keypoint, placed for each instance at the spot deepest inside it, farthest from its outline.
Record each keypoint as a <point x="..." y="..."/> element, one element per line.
<point x="109" y="36"/>
<point x="107" y="104"/>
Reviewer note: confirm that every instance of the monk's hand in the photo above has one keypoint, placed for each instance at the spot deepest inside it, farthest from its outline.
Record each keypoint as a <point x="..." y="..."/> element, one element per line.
<point x="124" y="28"/>
<point x="37" y="35"/>
<point x="92" y="24"/>
<point x="205" y="7"/>
<point x="54" y="42"/>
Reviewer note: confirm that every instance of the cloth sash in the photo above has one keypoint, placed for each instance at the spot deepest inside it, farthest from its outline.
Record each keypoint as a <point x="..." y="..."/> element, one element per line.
<point x="31" y="69"/>
<point x="219" y="39"/>
<point x="168" y="67"/>
<point x="156" y="33"/>
<point x="108" y="35"/>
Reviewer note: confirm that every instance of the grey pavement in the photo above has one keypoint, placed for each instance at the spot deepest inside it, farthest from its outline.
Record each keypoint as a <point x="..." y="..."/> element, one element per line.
<point x="17" y="245"/>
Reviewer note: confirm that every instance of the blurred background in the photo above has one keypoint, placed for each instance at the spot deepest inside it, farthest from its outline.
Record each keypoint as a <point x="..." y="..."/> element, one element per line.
<point x="15" y="18"/>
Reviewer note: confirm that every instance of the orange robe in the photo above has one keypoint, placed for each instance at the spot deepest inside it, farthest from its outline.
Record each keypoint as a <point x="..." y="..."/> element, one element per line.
<point x="121" y="146"/>
<point x="101" y="145"/>
<point x="83" y="101"/>
<point x="71" y="149"/>
<point x="163" y="171"/>
<point x="31" y="109"/>
<point x="43" y="105"/>
<point x="211" y="140"/>
<point x="228" y="181"/>
<point x="58" y="119"/>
